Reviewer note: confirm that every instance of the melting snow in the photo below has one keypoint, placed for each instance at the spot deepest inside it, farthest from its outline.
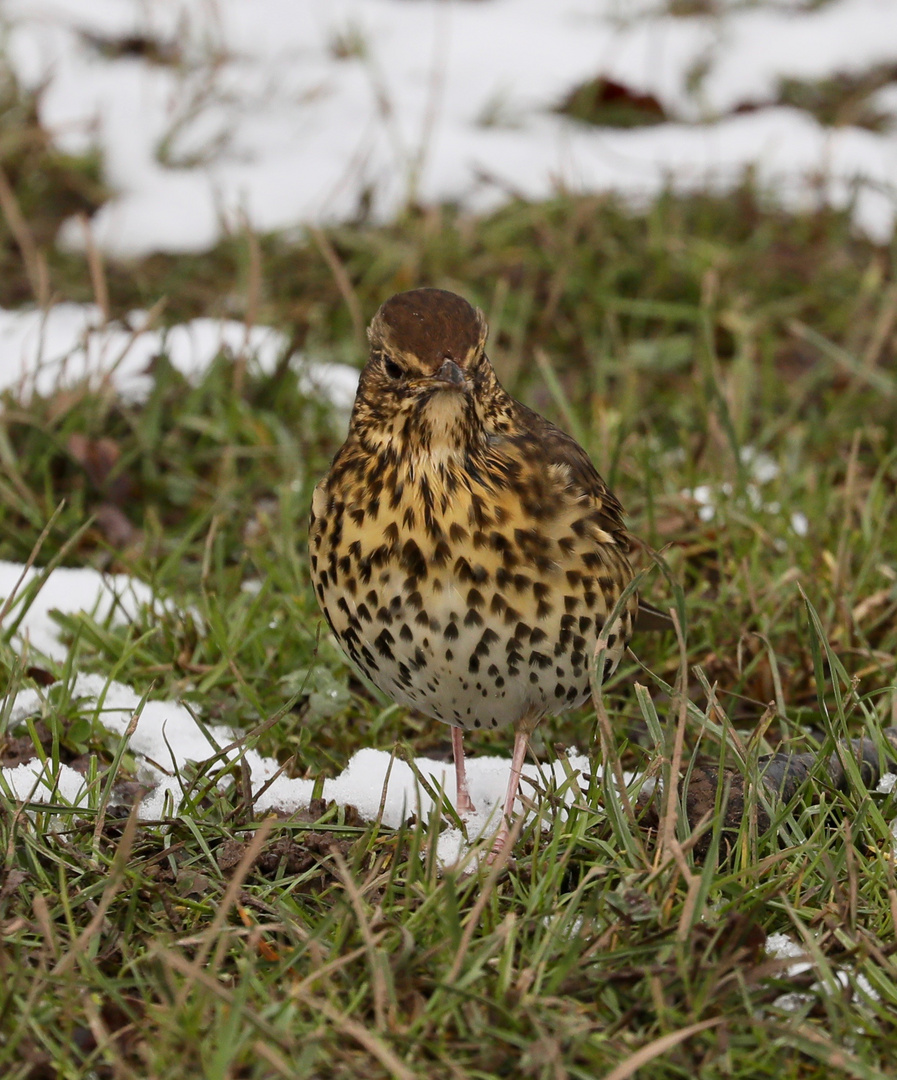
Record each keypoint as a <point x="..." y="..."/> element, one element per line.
<point x="71" y="343"/>
<point x="68" y="590"/>
<point x="288" y="111"/>
<point x="166" y="738"/>
<point x="783" y="947"/>
<point x="761" y="469"/>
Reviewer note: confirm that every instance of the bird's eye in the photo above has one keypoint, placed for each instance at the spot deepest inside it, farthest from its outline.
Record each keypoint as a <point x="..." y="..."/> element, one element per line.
<point x="392" y="369"/>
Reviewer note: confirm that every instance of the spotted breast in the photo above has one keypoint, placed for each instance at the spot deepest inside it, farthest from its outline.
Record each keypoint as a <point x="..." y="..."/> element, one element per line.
<point x="464" y="550"/>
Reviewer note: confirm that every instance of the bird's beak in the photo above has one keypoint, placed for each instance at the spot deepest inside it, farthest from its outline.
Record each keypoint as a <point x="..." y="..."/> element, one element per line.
<point x="450" y="374"/>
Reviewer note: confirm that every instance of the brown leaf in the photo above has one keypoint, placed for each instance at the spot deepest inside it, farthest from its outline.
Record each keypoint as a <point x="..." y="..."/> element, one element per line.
<point x="40" y="675"/>
<point x="99" y="458"/>
<point x="609" y="103"/>
<point x="115" y="527"/>
<point x="192" y="883"/>
<point x="229" y="854"/>
<point x="12" y="882"/>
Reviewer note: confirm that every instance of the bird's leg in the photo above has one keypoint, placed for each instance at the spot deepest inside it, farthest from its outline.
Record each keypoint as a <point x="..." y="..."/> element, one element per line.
<point x="463" y="802"/>
<point x="521" y="741"/>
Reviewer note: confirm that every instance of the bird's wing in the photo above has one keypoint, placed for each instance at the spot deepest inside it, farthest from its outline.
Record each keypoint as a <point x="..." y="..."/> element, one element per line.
<point x="559" y="448"/>
<point x="556" y="447"/>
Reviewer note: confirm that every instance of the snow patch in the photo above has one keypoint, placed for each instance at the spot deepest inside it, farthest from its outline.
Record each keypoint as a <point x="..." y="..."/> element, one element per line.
<point x="41" y="352"/>
<point x="166" y="738"/>
<point x="280" y="112"/>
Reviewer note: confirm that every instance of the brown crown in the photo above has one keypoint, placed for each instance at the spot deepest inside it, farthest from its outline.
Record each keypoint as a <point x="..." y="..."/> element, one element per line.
<point x="432" y="325"/>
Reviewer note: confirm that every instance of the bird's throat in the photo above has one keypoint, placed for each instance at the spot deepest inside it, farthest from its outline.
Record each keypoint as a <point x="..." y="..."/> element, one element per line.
<point x="444" y="420"/>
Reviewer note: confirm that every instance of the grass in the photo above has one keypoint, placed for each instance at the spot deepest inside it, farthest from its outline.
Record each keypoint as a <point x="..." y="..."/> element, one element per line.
<point x="212" y="943"/>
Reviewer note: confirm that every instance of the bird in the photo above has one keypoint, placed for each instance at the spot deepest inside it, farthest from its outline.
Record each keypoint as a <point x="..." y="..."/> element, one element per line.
<point x="464" y="551"/>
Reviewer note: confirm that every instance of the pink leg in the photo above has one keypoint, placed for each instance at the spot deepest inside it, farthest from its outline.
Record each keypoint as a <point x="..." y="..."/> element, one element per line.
<point x="463" y="803"/>
<point x="521" y="741"/>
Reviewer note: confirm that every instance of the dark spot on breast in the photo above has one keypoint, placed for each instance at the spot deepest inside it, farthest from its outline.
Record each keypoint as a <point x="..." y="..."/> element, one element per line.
<point x="510" y="558"/>
<point x="457" y="533"/>
<point x="442" y="554"/>
<point x="412" y="560"/>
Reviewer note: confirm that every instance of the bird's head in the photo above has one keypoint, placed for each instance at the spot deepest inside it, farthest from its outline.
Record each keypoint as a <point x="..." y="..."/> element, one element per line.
<point x="428" y="379"/>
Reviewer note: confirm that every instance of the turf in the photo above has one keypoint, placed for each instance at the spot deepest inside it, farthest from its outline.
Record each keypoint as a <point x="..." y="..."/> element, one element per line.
<point x="675" y="343"/>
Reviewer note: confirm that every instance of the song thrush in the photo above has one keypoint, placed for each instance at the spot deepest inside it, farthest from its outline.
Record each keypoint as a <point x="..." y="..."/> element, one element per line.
<point x="464" y="550"/>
